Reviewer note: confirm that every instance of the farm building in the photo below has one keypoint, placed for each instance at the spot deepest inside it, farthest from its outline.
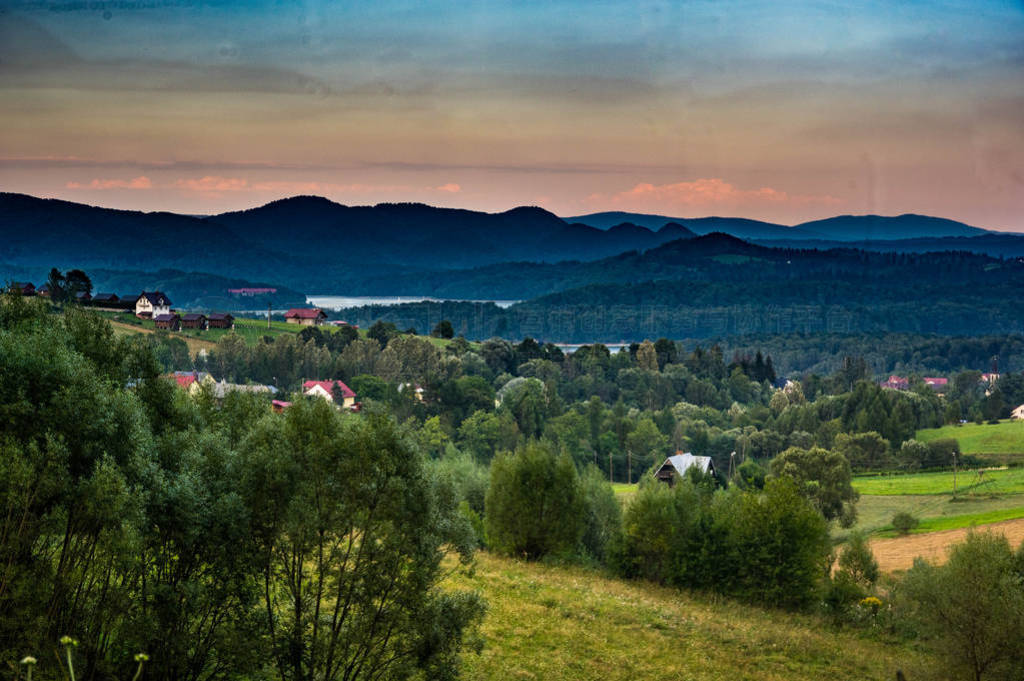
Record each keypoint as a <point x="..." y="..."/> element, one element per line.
<point x="151" y="304"/>
<point x="1018" y="413"/>
<point x="83" y="297"/>
<point x="306" y="316"/>
<point x="194" y="320"/>
<point x="43" y="291"/>
<point x="106" y="299"/>
<point x="169" y="321"/>
<point x="326" y="390"/>
<point x="27" y="289"/>
<point x="220" y="320"/>
<point x="678" y="465"/>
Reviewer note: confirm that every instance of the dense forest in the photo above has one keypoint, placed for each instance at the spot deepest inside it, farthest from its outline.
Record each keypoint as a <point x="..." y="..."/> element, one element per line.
<point x="121" y="490"/>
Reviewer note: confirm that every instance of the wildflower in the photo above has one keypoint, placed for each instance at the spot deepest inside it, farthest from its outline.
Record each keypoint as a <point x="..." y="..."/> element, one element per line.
<point x="29" y="662"/>
<point x="68" y="641"/>
<point x="871" y="603"/>
<point x="141" y="658"/>
<point x="68" y="644"/>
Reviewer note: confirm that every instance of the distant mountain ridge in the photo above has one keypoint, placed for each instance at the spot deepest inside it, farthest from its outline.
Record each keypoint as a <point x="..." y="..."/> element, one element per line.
<point x="838" y="228"/>
<point x="310" y="243"/>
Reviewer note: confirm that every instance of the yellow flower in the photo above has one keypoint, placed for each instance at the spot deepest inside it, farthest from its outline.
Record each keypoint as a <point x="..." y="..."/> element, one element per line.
<point x="29" y="660"/>
<point x="68" y="641"/>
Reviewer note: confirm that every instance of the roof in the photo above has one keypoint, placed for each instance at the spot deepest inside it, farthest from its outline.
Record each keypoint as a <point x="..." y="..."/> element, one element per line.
<point x="935" y="381"/>
<point x="219" y="316"/>
<point x="684" y="462"/>
<point x="328" y="386"/>
<point x="166" y="317"/>
<point x="305" y="313"/>
<point x="193" y="317"/>
<point x="155" y="298"/>
<point x="105" y="296"/>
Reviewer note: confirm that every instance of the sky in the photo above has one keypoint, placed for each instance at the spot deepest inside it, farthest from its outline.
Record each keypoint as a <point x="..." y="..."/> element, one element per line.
<point x="772" y="110"/>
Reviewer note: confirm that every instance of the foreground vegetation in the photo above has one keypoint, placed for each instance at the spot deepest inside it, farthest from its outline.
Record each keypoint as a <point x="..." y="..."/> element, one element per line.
<point x="565" y="622"/>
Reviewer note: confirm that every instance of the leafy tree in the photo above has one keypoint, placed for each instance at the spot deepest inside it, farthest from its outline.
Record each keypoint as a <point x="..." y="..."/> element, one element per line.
<point x="484" y="434"/>
<point x="864" y="451"/>
<point x="382" y="332"/>
<point x="602" y="521"/>
<point x="973" y="607"/>
<point x="351" y="528"/>
<point x="904" y="522"/>
<point x="75" y="282"/>
<point x="647" y="356"/>
<point x="443" y="329"/>
<point x="535" y="503"/>
<point x="779" y="546"/>
<point x="57" y="283"/>
<point x="858" y="561"/>
<point x="823" y="477"/>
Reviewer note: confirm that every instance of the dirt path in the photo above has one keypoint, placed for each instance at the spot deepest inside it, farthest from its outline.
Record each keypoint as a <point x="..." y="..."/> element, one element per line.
<point x="899" y="553"/>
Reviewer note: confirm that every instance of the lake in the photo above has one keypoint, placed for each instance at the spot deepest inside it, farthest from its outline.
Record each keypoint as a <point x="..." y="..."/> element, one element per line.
<point x="329" y="302"/>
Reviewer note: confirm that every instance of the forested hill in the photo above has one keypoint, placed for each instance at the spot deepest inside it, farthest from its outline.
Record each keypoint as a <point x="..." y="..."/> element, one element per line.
<point x="716" y="285"/>
<point x="713" y="257"/>
<point x="839" y="228"/>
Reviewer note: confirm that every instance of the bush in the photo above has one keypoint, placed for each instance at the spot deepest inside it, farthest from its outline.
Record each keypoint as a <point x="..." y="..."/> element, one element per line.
<point x="858" y="561"/>
<point x="904" y="522"/>
<point x="972" y="607"/>
<point x="534" y="505"/>
<point x="602" y="520"/>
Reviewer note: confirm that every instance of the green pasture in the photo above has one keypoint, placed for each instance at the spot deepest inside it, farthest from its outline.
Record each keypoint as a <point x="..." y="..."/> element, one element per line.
<point x="936" y="512"/>
<point x="1005" y="437"/>
<point x="968" y="481"/>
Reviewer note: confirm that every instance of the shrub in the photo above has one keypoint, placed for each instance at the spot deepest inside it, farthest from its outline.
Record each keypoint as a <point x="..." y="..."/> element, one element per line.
<point x="973" y="607"/>
<point x="534" y="505"/>
<point x="602" y="520"/>
<point x="904" y="522"/>
<point x="858" y="561"/>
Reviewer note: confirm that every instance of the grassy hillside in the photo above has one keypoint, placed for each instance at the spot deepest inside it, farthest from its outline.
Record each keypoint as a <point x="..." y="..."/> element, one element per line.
<point x="568" y="623"/>
<point x="1005" y="437"/>
<point x="1005" y="481"/>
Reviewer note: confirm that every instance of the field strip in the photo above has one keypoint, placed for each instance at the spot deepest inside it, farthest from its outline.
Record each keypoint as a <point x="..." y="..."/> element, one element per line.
<point x="899" y="553"/>
<point x="194" y="344"/>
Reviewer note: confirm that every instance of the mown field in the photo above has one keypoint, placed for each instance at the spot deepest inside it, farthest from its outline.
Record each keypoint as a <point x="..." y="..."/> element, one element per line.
<point x="968" y="481"/>
<point x="1002" y="440"/>
<point x="547" y="622"/>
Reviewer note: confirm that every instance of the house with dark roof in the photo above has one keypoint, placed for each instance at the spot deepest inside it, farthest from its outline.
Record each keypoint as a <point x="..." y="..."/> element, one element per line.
<point x="194" y="320"/>
<point x="43" y="290"/>
<point x="152" y="303"/>
<point x="327" y="390"/>
<point x="83" y="297"/>
<point x="168" y="321"/>
<point x="26" y="289"/>
<point x="306" y="316"/>
<point x="106" y="299"/>
<point x="220" y="320"/>
<point x="679" y="465"/>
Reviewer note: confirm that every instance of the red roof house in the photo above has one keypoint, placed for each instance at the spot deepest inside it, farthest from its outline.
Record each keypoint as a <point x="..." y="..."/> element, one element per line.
<point x="325" y="389"/>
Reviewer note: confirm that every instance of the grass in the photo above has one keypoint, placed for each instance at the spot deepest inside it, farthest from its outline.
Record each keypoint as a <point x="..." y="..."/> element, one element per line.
<point x="623" y="491"/>
<point x="1004" y="481"/>
<point x="937" y="512"/>
<point x="1005" y="437"/>
<point x="548" y="622"/>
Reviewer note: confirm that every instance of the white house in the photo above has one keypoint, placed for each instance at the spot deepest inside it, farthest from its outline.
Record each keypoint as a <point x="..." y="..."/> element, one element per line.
<point x="678" y="465"/>
<point x="1018" y="413"/>
<point x="326" y="389"/>
<point x="152" y="303"/>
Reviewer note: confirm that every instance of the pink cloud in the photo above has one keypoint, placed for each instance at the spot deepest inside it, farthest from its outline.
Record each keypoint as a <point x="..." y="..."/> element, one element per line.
<point x="215" y="186"/>
<point x="451" y="187"/>
<point x="701" y="193"/>
<point x="141" y="182"/>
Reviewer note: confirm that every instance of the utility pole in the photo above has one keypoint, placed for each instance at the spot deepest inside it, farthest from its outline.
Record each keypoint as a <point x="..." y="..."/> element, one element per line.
<point x="954" y="475"/>
<point x="732" y="461"/>
<point x="268" y="314"/>
<point x="610" y="478"/>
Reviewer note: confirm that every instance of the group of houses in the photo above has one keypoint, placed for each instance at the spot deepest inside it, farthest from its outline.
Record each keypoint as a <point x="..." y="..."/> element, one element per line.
<point x="154" y="305"/>
<point x="194" y="382"/>
<point x="937" y="384"/>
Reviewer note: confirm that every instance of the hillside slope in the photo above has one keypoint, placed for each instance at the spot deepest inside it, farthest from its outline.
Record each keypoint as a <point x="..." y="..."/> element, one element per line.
<point x="569" y="623"/>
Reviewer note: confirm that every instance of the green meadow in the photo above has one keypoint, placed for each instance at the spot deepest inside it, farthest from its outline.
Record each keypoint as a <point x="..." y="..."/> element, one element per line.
<point x="1003" y="438"/>
<point x="553" y="622"/>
